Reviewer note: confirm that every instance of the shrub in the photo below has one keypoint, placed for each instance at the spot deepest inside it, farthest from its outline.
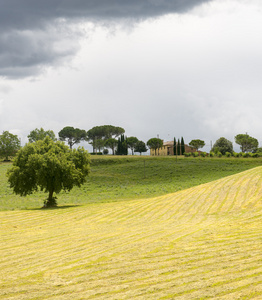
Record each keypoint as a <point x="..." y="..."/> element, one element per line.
<point x="228" y="154"/>
<point x="235" y="154"/>
<point x="219" y="154"/>
<point x="254" y="155"/>
<point x="105" y="151"/>
<point x="246" y="155"/>
<point x="187" y="154"/>
<point x="211" y="154"/>
<point x="195" y="154"/>
<point x="203" y="154"/>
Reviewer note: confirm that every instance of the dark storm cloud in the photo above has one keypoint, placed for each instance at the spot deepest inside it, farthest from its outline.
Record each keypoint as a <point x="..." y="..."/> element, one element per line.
<point x="27" y="13"/>
<point x="35" y="34"/>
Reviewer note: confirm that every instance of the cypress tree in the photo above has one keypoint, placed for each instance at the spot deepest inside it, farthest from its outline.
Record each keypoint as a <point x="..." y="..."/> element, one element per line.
<point x="182" y="146"/>
<point x="174" y="146"/>
<point x="121" y="146"/>
<point x="178" y="148"/>
<point x="124" y="146"/>
<point x="118" y="150"/>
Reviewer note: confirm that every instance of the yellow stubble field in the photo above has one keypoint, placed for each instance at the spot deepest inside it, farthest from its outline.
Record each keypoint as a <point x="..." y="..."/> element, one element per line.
<point x="201" y="243"/>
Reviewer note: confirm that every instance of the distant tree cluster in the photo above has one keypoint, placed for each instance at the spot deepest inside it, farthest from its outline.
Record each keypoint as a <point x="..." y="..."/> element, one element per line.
<point x="247" y="143"/>
<point x="197" y="144"/>
<point x="101" y="138"/>
<point x="99" y="135"/>
<point x="222" y="145"/>
<point x="9" y="145"/>
<point x="72" y="135"/>
<point x="108" y="137"/>
<point x="39" y="134"/>
<point x="154" y="143"/>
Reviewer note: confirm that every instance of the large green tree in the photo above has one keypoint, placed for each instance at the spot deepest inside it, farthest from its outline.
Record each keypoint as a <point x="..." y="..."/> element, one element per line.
<point x="72" y="135"/>
<point x="197" y="144"/>
<point x="246" y="142"/>
<point x="140" y="147"/>
<point x="49" y="166"/>
<point x="154" y="143"/>
<point x="9" y="144"/>
<point x="40" y="134"/>
<point x="223" y="145"/>
<point x="131" y="143"/>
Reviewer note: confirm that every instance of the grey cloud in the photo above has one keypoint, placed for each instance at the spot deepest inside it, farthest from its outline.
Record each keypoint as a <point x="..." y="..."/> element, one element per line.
<point x="36" y="34"/>
<point x="27" y="13"/>
<point x="25" y="53"/>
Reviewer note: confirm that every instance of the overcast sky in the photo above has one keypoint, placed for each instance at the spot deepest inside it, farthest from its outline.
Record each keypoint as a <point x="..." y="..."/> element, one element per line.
<point x="166" y="68"/>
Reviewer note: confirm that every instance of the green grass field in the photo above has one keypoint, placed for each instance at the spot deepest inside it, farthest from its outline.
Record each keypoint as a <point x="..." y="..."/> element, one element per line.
<point x="200" y="242"/>
<point x="125" y="178"/>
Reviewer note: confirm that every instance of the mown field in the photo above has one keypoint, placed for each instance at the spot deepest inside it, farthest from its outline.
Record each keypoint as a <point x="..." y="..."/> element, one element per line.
<point x="202" y="242"/>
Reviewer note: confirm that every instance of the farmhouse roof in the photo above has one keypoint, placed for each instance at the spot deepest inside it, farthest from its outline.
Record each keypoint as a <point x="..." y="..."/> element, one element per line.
<point x="170" y="143"/>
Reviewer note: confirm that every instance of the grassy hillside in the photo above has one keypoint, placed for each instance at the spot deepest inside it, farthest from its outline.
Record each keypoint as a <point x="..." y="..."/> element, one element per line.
<point x="200" y="243"/>
<point x="122" y="178"/>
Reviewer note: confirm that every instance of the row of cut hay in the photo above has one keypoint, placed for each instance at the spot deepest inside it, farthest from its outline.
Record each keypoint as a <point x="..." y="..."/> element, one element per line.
<point x="204" y="242"/>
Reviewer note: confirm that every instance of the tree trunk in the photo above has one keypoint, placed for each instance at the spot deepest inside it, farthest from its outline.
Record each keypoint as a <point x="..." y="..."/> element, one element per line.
<point x="51" y="201"/>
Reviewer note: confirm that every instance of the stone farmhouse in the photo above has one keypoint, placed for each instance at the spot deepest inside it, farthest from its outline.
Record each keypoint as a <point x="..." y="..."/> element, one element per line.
<point x="168" y="149"/>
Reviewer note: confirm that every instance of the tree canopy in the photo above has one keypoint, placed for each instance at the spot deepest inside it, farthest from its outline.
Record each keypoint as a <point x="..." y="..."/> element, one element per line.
<point x="131" y="143"/>
<point x="246" y="142"/>
<point x="183" y="149"/>
<point x="99" y="134"/>
<point x="72" y="135"/>
<point x="197" y="144"/>
<point x="40" y="134"/>
<point x="49" y="166"/>
<point x="178" y="147"/>
<point x="112" y="144"/>
<point x="140" y="147"/>
<point x="175" y="147"/>
<point x="154" y="143"/>
<point x="223" y="145"/>
<point x="9" y="144"/>
<point x="121" y="146"/>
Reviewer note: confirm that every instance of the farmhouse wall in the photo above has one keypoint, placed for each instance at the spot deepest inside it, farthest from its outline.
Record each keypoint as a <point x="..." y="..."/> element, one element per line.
<point x="168" y="149"/>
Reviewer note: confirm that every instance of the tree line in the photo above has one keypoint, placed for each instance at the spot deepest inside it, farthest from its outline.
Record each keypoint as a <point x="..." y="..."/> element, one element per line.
<point x="101" y="138"/>
<point x="111" y="137"/>
<point x="222" y="145"/>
